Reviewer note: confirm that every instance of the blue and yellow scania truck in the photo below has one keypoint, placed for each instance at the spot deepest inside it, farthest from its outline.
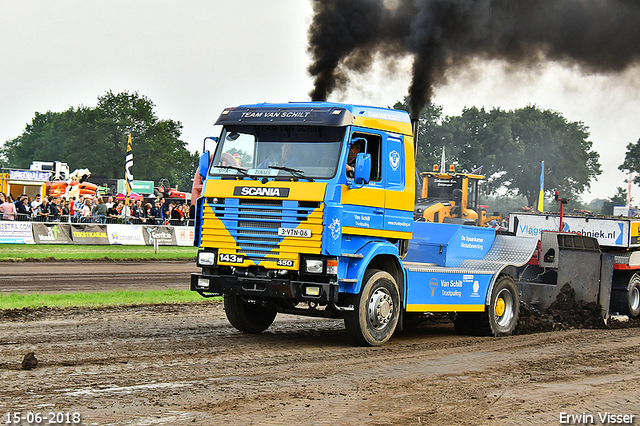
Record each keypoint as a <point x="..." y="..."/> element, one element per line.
<point x="307" y="208"/>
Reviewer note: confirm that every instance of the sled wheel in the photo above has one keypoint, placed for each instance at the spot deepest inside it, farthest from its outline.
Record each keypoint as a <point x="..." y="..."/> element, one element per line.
<point x="248" y="317"/>
<point x="627" y="301"/>
<point x="501" y="316"/>
<point x="376" y="311"/>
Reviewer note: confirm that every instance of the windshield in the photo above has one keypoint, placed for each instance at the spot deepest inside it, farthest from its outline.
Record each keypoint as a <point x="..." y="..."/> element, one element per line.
<point x="312" y="151"/>
<point x="442" y="189"/>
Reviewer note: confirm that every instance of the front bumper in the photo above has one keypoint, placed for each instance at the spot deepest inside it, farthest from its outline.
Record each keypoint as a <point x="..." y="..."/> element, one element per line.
<point x="268" y="288"/>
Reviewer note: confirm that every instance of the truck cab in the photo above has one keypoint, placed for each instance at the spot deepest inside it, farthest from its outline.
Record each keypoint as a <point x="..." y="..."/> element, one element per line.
<point x="280" y="221"/>
<point x="308" y="209"/>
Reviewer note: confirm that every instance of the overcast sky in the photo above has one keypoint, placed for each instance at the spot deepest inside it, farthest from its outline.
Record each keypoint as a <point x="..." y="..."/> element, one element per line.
<point x="192" y="58"/>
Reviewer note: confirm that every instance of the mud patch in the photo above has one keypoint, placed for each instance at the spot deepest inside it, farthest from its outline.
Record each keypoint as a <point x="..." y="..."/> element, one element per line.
<point x="567" y="313"/>
<point x="46" y="312"/>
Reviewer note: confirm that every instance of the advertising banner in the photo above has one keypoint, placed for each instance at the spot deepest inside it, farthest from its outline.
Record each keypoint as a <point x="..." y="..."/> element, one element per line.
<point x="137" y="186"/>
<point x="52" y="233"/>
<point x="608" y="232"/>
<point x="184" y="235"/>
<point x="447" y="291"/>
<point x="16" y="232"/>
<point x="127" y="235"/>
<point x="164" y="235"/>
<point x="89" y="234"/>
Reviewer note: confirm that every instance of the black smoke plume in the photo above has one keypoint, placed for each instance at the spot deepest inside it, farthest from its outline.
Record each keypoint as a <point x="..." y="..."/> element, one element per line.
<point x="597" y="36"/>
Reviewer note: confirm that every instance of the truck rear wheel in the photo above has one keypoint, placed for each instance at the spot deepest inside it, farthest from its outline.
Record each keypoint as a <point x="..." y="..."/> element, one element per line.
<point x="248" y="317"/>
<point x="377" y="310"/>
<point x="501" y="316"/>
<point x="627" y="301"/>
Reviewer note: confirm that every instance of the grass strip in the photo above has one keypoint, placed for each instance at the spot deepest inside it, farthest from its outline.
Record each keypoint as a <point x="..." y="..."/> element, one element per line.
<point x="111" y="298"/>
<point x="10" y="252"/>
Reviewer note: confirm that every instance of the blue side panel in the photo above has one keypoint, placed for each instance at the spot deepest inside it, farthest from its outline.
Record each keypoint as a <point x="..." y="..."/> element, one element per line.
<point x="363" y="216"/>
<point x="198" y="223"/>
<point x="395" y="164"/>
<point x="446" y="244"/>
<point x="448" y="289"/>
<point x="332" y="229"/>
<point x="398" y="220"/>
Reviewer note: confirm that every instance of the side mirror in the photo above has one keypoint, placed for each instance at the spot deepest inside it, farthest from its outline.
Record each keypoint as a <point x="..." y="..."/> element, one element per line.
<point x="203" y="165"/>
<point x="204" y="142"/>
<point x="362" y="170"/>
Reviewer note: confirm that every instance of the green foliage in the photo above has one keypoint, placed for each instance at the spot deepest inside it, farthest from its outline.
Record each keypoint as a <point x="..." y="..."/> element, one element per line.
<point x="13" y="252"/>
<point x="96" y="138"/>
<point x="631" y="162"/>
<point x="245" y="159"/>
<point x="510" y="146"/>
<point x="618" y="199"/>
<point x="109" y="298"/>
<point x="502" y="204"/>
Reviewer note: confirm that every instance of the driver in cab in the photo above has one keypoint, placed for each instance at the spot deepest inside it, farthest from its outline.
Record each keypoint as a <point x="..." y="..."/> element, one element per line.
<point x="285" y="158"/>
<point x="357" y="146"/>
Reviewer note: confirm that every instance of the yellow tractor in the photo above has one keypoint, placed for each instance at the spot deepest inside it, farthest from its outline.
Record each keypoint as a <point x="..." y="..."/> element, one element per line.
<point x="450" y="197"/>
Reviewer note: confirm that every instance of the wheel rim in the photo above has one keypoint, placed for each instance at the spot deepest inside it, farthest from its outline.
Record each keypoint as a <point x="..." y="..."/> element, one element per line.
<point x="635" y="298"/>
<point x="380" y="308"/>
<point x="503" y="308"/>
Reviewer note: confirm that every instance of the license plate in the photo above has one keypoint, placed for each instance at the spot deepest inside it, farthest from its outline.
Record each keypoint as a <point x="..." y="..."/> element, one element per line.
<point x="294" y="232"/>
<point x="230" y="258"/>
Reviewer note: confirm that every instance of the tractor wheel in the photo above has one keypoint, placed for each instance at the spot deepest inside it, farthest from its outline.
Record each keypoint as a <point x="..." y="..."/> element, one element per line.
<point x="376" y="311"/>
<point x="501" y="316"/>
<point x="248" y="317"/>
<point x="627" y="301"/>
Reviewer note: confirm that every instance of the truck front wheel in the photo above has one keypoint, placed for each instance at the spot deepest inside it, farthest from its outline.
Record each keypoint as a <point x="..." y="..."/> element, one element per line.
<point x="501" y="316"/>
<point x="377" y="309"/>
<point x="248" y="317"/>
<point x="627" y="301"/>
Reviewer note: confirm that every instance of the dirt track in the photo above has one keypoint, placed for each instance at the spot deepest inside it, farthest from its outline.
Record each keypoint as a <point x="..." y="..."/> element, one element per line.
<point x="185" y="364"/>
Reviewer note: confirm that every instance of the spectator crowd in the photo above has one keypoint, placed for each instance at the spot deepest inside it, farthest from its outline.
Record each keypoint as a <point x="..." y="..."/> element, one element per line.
<point x="95" y="209"/>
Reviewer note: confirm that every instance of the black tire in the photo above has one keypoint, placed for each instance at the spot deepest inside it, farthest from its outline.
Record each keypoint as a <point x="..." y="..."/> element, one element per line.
<point x="627" y="302"/>
<point x="376" y="310"/>
<point x="248" y="317"/>
<point x="501" y="316"/>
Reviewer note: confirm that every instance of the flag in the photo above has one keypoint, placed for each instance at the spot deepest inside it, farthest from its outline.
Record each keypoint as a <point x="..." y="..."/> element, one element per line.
<point x="541" y="196"/>
<point x="629" y="192"/>
<point x="476" y="171"/>
<point x="127" y="169"/>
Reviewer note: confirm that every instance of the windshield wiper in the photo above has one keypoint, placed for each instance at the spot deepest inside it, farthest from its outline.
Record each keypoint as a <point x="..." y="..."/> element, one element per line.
<point x="240" y="169"/>
<point x="295" y="172"/>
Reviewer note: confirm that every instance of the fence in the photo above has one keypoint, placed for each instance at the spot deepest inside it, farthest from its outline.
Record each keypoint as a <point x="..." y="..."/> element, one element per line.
<point x="28" y="232"/>
<point x="20" y="217"/>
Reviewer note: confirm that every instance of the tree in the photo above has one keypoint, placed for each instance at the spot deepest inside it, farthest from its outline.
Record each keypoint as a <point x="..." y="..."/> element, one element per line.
<point x="569" y="162"/>
<point x="631" y="162"/>
<point x="510" y="146"/>
<point x="618" y="199"/>
<point x="96" y="138"/>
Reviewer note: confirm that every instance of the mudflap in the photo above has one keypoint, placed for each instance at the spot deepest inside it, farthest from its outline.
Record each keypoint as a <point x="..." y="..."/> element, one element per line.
<point x="589" y="273"/>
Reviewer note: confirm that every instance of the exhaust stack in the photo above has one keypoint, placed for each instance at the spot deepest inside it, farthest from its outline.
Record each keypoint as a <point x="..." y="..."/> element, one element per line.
<point x="415" y="127"/>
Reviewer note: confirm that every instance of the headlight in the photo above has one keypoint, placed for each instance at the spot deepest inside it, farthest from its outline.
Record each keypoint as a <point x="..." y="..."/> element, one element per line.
<point x="206" y="258"/>
<point x="313" y="266"/>
<point x="203" y="282"/>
